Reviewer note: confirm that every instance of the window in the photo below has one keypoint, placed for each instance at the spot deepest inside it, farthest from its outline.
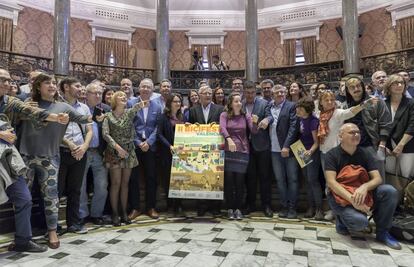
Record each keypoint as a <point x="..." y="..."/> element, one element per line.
<point x="205" y="58"/>
<point x="300" y="58"/>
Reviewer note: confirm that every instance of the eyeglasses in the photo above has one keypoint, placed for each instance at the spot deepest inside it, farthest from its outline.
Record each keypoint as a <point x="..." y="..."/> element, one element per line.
<point x="399" y="83"/>
<point x="4" y="79"/>
<point x="356" y="132"/>
<point x="205" y="93"/>
<point x="267" y="88"/>
<point x="95" y="93"/>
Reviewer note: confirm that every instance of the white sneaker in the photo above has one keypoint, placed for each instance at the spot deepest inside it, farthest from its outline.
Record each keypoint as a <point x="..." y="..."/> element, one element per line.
<point x="238" y="215"/>
<point x="230" y="214"/>
<point x="329" y="216"/>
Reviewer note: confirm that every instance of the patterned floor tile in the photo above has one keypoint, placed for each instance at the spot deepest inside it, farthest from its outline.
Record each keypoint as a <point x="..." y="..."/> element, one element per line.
<point x="240" y="260"/>
<point x="276" y="246"/>
<point x="282" y="260"/>
<point x="363" y="259"/>
<point x="317" y="259"/>
<point x="198" y="260"/>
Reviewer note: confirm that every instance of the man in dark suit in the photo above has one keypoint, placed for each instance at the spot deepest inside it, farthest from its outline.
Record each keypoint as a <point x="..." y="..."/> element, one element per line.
<point x="95" y="159"/>
<point x="259" y="161"/>
<point x="145" y="124"/>
<point x="283" y="132"/>
<point x="410" y="89"/>
<point x="205" y="113"/>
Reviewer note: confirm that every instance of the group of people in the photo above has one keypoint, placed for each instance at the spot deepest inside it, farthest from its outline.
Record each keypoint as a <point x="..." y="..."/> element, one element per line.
<point x="65" y="129"/>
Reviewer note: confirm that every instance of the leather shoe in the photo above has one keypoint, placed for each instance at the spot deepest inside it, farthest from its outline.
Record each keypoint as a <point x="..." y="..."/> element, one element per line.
<point x="268" y="212"/>
<point x="30" y="246"/>
<point x="153" y="214"/>
<point x="133" y="214"/>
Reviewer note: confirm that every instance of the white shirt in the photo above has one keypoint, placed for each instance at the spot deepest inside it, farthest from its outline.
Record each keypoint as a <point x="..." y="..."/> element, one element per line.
<point x="25" y="88"/>
<point x="275" y="111"/>
<point x="145" y="112"/>
<point x="338" y="118"/>
<point x="206" y="111"/>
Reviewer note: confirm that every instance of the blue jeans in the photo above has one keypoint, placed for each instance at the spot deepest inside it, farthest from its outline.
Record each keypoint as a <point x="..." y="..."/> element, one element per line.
<point x="100" y="186"/>
<point x="313" y="186"/>
<point x="286" y="172"/>
<point x="20" y="196"/>
<point x="385" y="202"/>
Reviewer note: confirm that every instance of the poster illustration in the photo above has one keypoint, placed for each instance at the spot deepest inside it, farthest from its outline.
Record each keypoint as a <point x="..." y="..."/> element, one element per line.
<point x="197" y="170"/>
<point x="298" y="150"/>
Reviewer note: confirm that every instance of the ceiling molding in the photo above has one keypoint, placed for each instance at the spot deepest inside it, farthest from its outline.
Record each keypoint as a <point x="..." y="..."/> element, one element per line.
<point x="200" y="37"/>
<point x="117" y="31"/>
<point x="10" y="10"/>
<point x="230" y="20"/>
<point x="400" y="11"/>
<point x="299" y="30"/>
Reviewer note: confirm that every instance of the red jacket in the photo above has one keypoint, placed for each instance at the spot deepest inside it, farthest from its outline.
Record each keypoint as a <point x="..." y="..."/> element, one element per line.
<point x="351" y="177"/>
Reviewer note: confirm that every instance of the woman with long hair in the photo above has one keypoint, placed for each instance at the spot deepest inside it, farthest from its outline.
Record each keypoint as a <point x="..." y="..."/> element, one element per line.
<point x="39" y="147"/>
<point x="119" y="133"/>
<point x="400" y="143"/>
<point x="235" y="125"/>
<point x="296" y="92"/>
<point x="193" y="99"/>
<point x="167" y="121"/>
<point x="219" y="97"/>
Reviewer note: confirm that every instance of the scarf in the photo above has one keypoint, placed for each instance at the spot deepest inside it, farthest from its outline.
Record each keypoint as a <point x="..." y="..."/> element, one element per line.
<point x="323" y="129"/>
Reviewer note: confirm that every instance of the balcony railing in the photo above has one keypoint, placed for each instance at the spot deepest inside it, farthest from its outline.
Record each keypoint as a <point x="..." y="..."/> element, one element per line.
<point x="20" y="64"/>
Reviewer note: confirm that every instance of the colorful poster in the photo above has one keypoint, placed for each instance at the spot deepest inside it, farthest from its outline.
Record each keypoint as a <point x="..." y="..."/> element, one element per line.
<point x="298" y="150"/>
<point x="197" y="170"/>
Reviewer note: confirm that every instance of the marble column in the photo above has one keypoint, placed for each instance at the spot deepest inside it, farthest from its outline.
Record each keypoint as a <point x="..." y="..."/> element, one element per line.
<point x="350" y="35"/>
<point x="252" y="48"/>
<point x="61" y="38"/>
<point x="163" y="40"/>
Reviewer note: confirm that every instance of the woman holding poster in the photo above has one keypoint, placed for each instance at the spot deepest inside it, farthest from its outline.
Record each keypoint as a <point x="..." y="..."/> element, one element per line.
<point x="235" y="126"/>
<point x="171" y="116"/>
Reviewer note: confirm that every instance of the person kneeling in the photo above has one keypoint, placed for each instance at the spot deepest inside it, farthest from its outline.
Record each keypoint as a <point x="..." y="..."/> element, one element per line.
<point x="356" y="188"/>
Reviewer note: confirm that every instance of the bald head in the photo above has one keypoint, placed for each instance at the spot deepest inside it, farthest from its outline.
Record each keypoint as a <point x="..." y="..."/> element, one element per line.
<point x="349" y="135"/>
<point x="5" y="80"/>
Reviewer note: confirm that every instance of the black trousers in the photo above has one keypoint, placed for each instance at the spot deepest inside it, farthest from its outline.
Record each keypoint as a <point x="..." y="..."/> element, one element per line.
<point x="234" y="190"/>
<point x="147" y="161"/>
<point x="258" y="169"/>
<point x="71" y="172"/>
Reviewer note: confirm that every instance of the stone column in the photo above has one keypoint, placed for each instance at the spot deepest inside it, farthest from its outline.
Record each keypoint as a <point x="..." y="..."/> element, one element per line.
<point x="61" y="38"/>
<point x="350" y="36"/>
<point x="163" y="40"/>
<point x="252" y="48"/>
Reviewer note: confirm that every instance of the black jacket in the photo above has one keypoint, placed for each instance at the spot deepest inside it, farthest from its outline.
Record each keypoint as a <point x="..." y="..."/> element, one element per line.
<point x="101" y="108"/>
<point x="403" y="123"/>
<point x="196" y="114"/>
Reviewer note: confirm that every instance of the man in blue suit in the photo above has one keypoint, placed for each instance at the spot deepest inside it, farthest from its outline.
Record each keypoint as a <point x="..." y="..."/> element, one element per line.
<point x="259" y="162"/>
<point x="145" y="124"/>
<point x="283" y="132"/>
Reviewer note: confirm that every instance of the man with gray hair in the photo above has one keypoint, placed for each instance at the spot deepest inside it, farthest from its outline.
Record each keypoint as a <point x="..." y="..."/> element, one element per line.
<point x="145" y="124"/>
<point x="94" y="159"/>
<point x="378" y="80"/>
<point x="267" y="86"/>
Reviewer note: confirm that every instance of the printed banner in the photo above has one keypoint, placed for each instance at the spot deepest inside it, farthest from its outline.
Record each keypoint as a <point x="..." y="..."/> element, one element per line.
<point x="197" y="170"/>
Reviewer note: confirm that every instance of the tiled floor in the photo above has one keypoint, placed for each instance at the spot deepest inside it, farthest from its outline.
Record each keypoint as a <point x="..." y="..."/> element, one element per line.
<point x="251" y="242"/>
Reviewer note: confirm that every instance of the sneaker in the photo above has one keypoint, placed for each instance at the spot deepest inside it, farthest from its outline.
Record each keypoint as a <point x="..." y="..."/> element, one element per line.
<point x="388" y="240"/>
<point x="30" y="246"/>
<point x="292" y="214"/>
<point x="319" y="215"/>
<point x="283" y="213"/>
<point x="78" y="229"/>
<point x="329" y="216"/>
<point x="340" y="227"/>
<point x="230" y="214"/>
<point x="238" y="215"/>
